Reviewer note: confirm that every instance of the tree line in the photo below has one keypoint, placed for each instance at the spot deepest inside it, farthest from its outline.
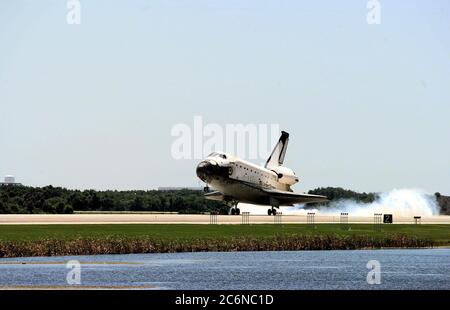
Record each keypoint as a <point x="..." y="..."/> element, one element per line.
<point x="57" y="200"/>
<point x="338" y="193"/>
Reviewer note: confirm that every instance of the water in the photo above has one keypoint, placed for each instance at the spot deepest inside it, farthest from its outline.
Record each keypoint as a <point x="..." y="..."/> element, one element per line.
<point x="400" y="269"/>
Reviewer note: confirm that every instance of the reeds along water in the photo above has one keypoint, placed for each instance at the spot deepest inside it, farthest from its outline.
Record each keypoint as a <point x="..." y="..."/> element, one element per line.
<point x="54" y="247"/>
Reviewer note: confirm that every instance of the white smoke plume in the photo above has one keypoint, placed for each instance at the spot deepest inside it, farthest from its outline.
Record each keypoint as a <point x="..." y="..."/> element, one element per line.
<point x="399" y="202"/>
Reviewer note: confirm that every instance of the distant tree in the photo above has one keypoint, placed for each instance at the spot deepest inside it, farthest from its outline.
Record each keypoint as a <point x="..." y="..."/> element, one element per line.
<point x="54" y="205"/>
<point x="95" y="202"/>
<point x="338" y="193"/>
<point x="15" y="208"/>
<point x="68" y="209"/>
<point x="78" y="201"/>
<point x="138" y="204"/>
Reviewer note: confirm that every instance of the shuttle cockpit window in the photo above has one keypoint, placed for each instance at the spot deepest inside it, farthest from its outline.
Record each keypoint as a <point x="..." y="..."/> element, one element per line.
<point x="215" y="154"/>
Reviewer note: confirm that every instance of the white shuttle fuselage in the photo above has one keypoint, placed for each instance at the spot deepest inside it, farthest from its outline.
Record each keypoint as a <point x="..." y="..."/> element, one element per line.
<point x="237" y="180"/>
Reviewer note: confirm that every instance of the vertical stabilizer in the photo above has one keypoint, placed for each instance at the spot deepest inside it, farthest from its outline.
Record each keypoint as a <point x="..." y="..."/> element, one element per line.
<point x="277" y="157"/>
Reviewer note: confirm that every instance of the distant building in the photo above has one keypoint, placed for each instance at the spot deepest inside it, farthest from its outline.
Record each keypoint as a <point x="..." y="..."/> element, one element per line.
<point x="180" y="188"/>
<point x="9" y="180"/>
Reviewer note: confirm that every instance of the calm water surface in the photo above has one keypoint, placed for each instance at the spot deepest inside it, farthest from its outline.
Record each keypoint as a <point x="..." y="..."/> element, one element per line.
<point x="400" y="269"/>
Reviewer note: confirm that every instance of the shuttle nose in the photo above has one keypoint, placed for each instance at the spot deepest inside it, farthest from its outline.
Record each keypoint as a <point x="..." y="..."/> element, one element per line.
<point x="209" y="169"/>
<point x="204" y="170"/>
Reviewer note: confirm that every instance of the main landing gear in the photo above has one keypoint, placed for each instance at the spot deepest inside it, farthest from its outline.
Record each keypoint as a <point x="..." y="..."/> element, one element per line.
<point x="234" y="210"/>
<point x="274" y="203"/>
<point x="272" y="211"/>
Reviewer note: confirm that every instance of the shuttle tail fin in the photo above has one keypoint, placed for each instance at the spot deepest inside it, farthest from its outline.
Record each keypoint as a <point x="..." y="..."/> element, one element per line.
<point x="277" y="157"/>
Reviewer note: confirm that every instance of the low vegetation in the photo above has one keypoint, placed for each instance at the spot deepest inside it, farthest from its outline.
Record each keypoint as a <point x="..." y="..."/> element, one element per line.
<point x="49" y="240"/>
<point x="90" y="246"/>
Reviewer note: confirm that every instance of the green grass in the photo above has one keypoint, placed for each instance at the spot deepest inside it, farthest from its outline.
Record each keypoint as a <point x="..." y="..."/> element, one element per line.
<point x="440" y="234"/>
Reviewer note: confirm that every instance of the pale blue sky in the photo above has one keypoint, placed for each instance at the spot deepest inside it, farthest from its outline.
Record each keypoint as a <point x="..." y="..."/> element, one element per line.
<point x="92" y="105"/>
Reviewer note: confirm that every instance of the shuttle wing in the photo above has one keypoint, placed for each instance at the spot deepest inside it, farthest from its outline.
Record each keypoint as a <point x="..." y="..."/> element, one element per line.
<point x="284" y="198"/>
<point x="290" y="198"/>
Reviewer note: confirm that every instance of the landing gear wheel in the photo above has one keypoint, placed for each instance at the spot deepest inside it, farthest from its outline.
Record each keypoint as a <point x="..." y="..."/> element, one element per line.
<point x="269" y="212"/>
<point x="274" y="212"/>
<point x="233" y="207"/>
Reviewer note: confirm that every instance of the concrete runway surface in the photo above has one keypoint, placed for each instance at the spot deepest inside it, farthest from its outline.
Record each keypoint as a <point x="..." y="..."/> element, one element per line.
<point x="22" y="219"/>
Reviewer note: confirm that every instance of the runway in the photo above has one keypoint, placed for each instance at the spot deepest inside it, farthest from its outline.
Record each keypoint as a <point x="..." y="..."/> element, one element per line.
<point x="26" y="219"/>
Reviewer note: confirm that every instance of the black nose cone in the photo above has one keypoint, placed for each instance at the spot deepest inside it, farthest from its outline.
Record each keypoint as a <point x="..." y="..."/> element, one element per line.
<point x="204" y="171"/>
